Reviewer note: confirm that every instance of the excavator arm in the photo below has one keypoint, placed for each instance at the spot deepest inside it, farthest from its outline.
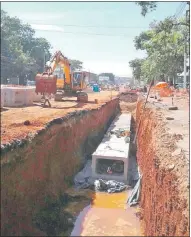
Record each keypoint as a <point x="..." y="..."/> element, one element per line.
<point x="59" y="59"/>
<point x="48" y="80"/>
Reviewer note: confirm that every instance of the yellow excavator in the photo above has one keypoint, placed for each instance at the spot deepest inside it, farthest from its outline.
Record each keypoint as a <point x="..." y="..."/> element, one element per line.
<point x="72" y="84"/>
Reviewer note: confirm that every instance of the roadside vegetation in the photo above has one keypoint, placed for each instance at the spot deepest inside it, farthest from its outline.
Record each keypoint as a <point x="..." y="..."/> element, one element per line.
<point x="164" y="45"/>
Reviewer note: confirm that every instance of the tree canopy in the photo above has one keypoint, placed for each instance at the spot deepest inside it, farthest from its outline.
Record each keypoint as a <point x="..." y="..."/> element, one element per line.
<point x="136" y="67"/>
<point x="76" y="64"/>
<point x="22" y="54"/>
<point x="164" y="46"/>
<point x="146" y="7"/>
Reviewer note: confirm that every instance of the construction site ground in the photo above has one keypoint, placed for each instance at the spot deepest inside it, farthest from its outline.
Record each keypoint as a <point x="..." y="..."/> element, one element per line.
<point x="177" y="120"/>
<point x="177" y="124"/>
<point x="12" y="119"/>
<point x="171" y="147"/>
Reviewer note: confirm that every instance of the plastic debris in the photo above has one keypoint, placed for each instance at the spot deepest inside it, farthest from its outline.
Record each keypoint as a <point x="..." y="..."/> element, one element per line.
<point x="84" y="179"/>
<point x="135" y="194"/>
<point x="110" y="186"/>
<point x="121" y="133"/>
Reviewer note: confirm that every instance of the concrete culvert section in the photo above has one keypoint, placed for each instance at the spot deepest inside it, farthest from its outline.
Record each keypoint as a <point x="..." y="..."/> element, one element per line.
<point x="48" y="182"/>
<point x="114" y="172"/>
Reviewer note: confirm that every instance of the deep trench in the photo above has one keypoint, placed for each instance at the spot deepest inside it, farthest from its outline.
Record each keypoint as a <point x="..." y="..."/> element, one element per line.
<point x="56" y="213"/>
<point x="53" y="219"/>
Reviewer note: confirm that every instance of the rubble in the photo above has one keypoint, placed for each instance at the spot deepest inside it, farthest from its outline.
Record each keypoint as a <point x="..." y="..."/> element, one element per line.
<point x="110" y="186"/>
<point x="177" y="152"/>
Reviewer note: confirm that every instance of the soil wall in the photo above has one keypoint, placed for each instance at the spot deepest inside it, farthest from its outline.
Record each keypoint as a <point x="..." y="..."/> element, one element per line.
<point x="44" y="164"/>
<point x="165" y="185"/>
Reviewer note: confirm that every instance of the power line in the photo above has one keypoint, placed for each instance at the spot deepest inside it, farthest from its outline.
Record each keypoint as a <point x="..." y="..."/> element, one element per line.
<point x="87" y="33"/>
<point x="180" y="9"/>
<point x="118" y="27"/>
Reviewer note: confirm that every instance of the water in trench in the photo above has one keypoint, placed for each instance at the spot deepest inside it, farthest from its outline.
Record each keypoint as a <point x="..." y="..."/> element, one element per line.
<point x="108" y="215"/>
<point x="85" y="212"/>
<point x="104" y="214"/>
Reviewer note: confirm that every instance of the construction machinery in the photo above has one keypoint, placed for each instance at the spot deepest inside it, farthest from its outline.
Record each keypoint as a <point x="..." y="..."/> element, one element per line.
<point x="72" y="84"/>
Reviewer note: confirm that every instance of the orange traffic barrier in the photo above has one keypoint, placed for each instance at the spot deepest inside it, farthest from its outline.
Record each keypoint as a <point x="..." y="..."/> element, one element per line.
<point x="166" y="92"/>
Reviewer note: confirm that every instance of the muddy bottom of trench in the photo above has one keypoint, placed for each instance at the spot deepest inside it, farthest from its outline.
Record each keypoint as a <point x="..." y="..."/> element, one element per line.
<point x="105" y="215"/>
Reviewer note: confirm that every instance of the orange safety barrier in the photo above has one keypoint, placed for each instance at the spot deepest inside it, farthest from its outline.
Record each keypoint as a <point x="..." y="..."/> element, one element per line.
<point x="165" y="92"/>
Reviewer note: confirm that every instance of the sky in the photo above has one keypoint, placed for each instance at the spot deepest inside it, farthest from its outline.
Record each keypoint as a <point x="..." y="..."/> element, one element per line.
<point x="100" y="34"/>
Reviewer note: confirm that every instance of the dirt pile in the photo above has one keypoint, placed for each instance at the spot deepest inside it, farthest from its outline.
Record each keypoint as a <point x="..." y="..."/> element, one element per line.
<point x="44" y="164"/>
<point x="129" y="97"/>
<point x="128" y="102"/>
<point x="165" y="184"/>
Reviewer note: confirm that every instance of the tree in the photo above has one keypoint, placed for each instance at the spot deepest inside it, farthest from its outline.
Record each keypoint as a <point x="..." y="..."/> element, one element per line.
<point x="164" y="45"/>
<point x="136" y="66"/>
<point x="40" y="52"/>
<point x="21" y="53"/>
<point x="146" y="7"/>
<point x="76" y="64"/>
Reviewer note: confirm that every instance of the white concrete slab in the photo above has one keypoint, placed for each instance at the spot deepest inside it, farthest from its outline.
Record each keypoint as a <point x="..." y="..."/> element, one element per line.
<point x="113" y="138"/>
<point x="115" y="128"/>
<point x="114" y="149"/>
<point x="123" y="121"/>
<point x="123" y="118"/>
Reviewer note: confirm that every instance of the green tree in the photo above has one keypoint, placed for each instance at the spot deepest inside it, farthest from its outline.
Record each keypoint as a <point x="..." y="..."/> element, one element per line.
<point x="76" y="64"/>
<point x="136" y="67"/>
<point x="164" y="45"/>
<point x="21" y="53"/>
<point x="146" y="7"/>
<point x="40" y="52"/>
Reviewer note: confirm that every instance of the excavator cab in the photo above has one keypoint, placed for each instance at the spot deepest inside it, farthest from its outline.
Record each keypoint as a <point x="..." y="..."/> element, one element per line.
<point x="78" y="80"/>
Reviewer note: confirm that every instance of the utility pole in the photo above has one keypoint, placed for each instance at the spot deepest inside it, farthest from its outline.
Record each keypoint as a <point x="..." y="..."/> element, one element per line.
<point x="185" y="57"/>
<point x="185" y="53"/>
<point x="188" y="40"/>
<point x="44" y="60"/>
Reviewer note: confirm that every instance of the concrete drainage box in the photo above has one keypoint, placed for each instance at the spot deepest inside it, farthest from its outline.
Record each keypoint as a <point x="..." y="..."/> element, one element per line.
<point x="110" y="160"/>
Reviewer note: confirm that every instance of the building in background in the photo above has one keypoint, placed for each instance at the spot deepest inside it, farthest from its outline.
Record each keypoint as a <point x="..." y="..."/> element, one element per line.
<point x="103" y="79"/>
<point x="92" y="78"/>
<point x="106" y="78"/>
<point x="179" y="81"/>
<point x="123" y="80"/>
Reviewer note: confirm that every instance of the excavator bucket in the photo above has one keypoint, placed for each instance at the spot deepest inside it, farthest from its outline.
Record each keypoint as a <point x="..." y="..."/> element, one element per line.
<point x="45" y="84"/>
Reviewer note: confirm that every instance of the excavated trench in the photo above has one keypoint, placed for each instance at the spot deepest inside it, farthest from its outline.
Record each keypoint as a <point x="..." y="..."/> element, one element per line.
<point x="37" y="194"/>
